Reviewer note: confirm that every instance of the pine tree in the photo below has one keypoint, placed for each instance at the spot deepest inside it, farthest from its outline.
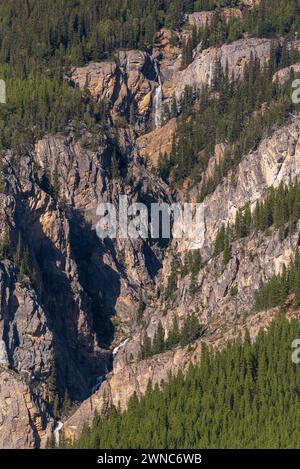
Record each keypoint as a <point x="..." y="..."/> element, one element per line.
<point x="115" y="170"/>
<point x="4" y="244"/>
<point x="227" y="250"/>
<point x="174" y="334"/>
<point x="159" y="339"/>
<point x="66" y="404"/>
<point x="146" y="346"/>
<point x="234" y="398"/>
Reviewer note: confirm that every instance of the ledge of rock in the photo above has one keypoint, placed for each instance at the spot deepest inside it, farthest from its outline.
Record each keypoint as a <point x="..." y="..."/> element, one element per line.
<point x="157" y="143"/>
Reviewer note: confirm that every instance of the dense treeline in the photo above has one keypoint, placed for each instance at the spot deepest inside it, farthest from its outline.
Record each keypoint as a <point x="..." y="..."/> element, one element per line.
<point x="39" y="39"/>
<point x="246" y="396"/>
<point x="268" y="19"/>
<point x="35" y="32"/>
<point x="280" y="208"/>
<point x="41" y="104"/>
<point x="188" y="333"/>
<point x="207" y="5"/>
<point x="238" y="112"/>
<point x="276" y="291"/>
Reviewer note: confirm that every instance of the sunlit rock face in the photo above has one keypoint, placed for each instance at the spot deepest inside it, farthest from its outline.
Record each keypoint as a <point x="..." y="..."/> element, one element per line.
<point x="128" y="84"/>
<point x="225" y="314"/>
<point x="232" y="57"/>
<point x="72" y="319"/>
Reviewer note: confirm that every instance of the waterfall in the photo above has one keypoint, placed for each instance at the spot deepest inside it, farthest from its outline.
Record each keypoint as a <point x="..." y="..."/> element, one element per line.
<point x="116" y="349"/>
<point x="157" y="101"/>
<point x="56" y="432"/>
<point x="101" y="378"/>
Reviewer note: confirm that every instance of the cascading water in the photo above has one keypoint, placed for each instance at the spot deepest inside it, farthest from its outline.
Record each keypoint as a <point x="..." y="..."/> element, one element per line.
<point x="95" y="388"/>
<point x="56" y="432"/>
<point x="116" y="349"/>
<point x="157" y="101"/>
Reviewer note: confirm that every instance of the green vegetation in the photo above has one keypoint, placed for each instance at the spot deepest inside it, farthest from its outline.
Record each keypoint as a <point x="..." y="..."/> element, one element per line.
<point x="41" y="39"/>
<point x="191" y="264"/>
<point x="69" y="32"/>
<point x="21" y="258"/>
<point x="232" y="112"/>
<point x="276" y="291"/>
<point x="280" y="209"/>
<point x="40" y="104"/>
<point x="56" y="32"/>
<point x="269" y="19"/>
<point x="190" y="331"/>
<point x="228" y="112"/>
<point x="222" y="244"/>
<point x="246" y="396"/>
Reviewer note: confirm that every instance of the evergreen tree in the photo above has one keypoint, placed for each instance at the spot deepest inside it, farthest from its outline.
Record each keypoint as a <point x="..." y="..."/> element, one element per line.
<point x="245" y="396"/>
<point x="159" y="340"/>
<point x="66" y="404"/>
<point x="115" y="169"/>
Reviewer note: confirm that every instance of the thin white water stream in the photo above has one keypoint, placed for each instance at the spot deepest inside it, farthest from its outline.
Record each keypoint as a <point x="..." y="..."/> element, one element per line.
<point x="157" y="101"/>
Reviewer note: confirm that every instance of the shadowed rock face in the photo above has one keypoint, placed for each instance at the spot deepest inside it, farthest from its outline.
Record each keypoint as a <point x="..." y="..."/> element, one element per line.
<point x="62" y="316"/>
<point x="127" y="84"/>
<point x="254" y="260"/>
<point x="22" y="419"/>
<point x="56" y="317"/>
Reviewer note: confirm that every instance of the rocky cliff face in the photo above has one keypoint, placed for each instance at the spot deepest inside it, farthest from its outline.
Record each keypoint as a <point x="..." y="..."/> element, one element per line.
<point x="130" y="84"/>
<point x="205" y="18"/>
<point x="153" y="145"/>
<point x="56" y="318"/>
<point x="127" y="84"/>
<point x="276" y="161"/>
<point x="135" y="378"/>
<point x="71" y="320"/>
<point x="253" y="260"/>
<point x="283" y="75"/>
<point x="233" y="56"/>
<point x="223" y="297"/>
<point x="22" y="417"/>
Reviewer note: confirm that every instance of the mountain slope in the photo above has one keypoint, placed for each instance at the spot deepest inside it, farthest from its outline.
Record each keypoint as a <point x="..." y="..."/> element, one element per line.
<point x="160" y="115"/>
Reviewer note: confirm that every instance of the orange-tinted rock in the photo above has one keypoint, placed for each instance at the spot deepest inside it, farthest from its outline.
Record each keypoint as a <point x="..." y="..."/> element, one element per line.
<point x="156" y="143"/>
